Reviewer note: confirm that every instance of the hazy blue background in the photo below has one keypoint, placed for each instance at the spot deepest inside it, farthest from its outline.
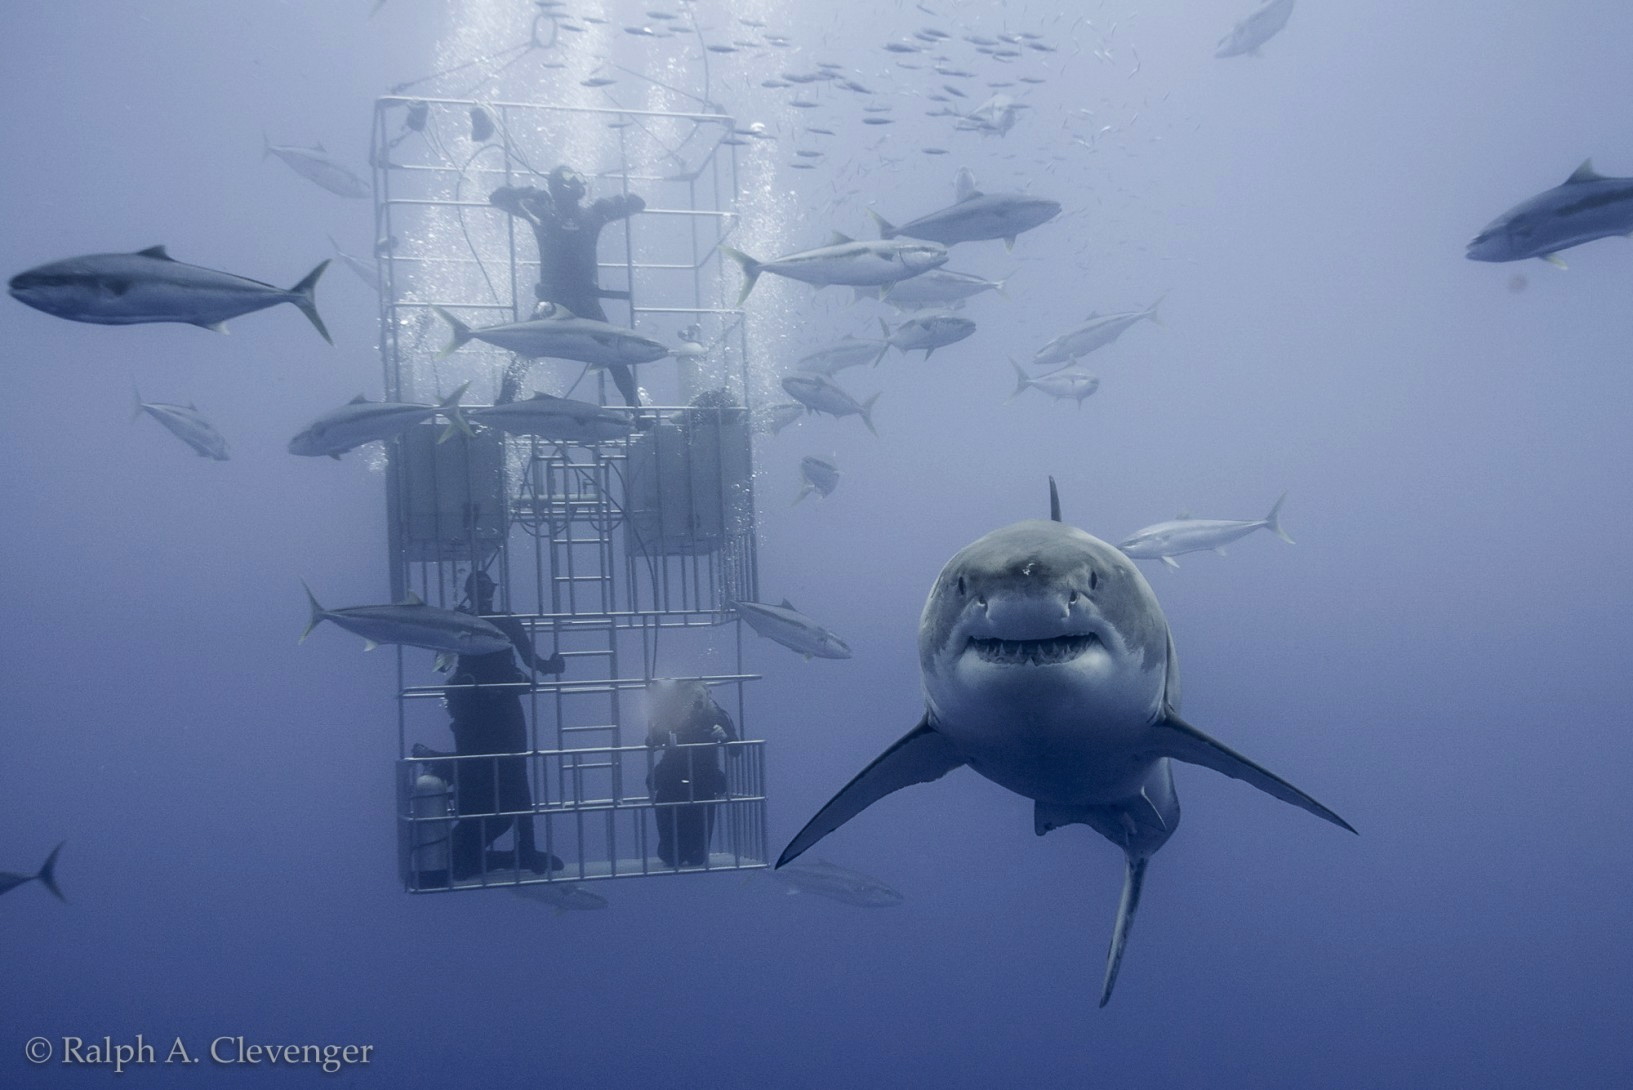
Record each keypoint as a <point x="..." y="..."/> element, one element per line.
<point x="1442" y="658"/>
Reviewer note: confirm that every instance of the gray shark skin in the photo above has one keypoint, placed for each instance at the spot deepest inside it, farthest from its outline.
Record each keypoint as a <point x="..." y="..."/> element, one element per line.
<point x="558" y="333"/>
<point x="362" y="421"/>
<point x="46" y="876"/>
<point x="848" y="887"/>
<point x="185" y="423"/>
<point x="1256" y="29"/>
<point x="1586" y="206"/>
<point x="152" y="286"/>
<point x="1166" y="540"/>
<point x="1048" y="668"/>
<point x="975" y="217"/>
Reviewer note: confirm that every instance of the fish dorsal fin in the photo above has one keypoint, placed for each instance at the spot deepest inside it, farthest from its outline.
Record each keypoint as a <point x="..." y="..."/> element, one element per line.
<point x="548" y="311"/>
<point x="1182" y="516"/>
<point x="540" y="395"/>
<point x="964" y="185"/>
<point x="1584" y="173"/>
<point x="839" y="238"/>
<point x="358" y="400"/>
<point x="412" y="599"/>
<point x="1091" y="316"/>
<point x="1054" y="501"/>
<point x="786" y="604"/>
<point x="156" y="252"/>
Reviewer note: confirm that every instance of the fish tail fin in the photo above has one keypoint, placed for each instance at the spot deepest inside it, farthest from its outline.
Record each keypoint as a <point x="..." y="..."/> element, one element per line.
<point x="1133" y="881"/>
<point x="1022" y="381"/>
<point x="884" y="327"/>
<point x="1151" y="311"/>
<point x="804" y="490"/>
<point x="867" y="413"/>
<point x="461" y="333"/>
<point x="998" y="286"/>
<point x="456" y="415"/>
<point x="750" y="267"/>
<point x="886" y="228"/>
<point x="317" y="612"/>
<point x="48" y="874"/>
<point x="1272" y="521"/>
<point x="305" y="297"/>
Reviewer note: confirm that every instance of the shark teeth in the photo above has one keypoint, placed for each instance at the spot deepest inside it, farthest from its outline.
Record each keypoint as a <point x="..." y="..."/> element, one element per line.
<point x="1033" y="652"/>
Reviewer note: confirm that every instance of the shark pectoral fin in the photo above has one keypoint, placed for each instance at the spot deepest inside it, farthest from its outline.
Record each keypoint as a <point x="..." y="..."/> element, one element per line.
<point x="1183" y="742"/>
<point x="920" y="756"/>
<point x="1133" y="880"/>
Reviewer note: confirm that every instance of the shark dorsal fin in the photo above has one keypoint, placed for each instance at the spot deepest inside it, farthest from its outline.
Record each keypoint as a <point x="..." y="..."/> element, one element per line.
<point x="786" y="604"/>
<point x="1584" y="173"/>
<point x="412" y="599"/>
<point x="1054" y="501"/>
<point x="964" y="185"/>
<point x="839" y="238"/>
<point x="155" y="252"/>
<point x="358" y="400"/>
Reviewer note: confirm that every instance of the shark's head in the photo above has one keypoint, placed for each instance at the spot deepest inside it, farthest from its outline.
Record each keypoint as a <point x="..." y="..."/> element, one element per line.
<point x="1044" y="612"/>
<point x="1028" y="212"/>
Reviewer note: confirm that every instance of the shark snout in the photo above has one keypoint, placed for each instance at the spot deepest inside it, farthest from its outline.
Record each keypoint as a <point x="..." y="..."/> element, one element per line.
<point x="1033" y="616"/>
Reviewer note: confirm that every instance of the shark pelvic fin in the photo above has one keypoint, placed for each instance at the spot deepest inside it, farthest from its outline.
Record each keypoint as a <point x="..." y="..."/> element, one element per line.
<point x="1183" y="742"/>
<point x="1133" y="880"/>
<point x="920" y="756"/>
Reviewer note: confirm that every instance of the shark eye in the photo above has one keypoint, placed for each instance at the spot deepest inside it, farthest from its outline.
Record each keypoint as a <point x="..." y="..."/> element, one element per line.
<point x="1094" y="579"/>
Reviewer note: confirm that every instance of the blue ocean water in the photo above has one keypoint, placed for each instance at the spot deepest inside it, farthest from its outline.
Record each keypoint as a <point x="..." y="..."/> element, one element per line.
<point x="1441" y="657"/>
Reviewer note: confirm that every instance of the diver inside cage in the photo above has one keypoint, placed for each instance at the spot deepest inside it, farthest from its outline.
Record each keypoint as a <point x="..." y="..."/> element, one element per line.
<point x="485" y="707"/>
<point x="567" y="234"/>
<point x="687" y="726"/>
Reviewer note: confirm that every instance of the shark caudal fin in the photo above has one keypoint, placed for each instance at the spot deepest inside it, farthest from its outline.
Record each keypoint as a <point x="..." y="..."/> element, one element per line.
<point x="1133" y="881"/>
<point x="48" y="874"/>
<point x="456" y="415"/>
<point x="304" y="297"/>
<point x="751" y="270"/>
<point x="886" y="228"/>
<point x="318" y="612"/>
<point x="1183" y="742"/>
<point x="460" y="337"/>
<point x="1022" y="381"/>
<point x="867" y="413"/>
<point x="1272" y="521"/>
<point x="919" y="756"/>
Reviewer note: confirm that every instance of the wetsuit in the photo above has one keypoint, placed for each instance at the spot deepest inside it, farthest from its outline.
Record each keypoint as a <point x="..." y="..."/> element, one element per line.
<point x="567" y="234"/>
<point x="688" y="775"/>
<point x="491" y="721"/>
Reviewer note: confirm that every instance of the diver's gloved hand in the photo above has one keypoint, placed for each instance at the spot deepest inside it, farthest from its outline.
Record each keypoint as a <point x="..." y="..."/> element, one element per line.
<point x="555" y="664"/>
<point x="718" y="733"/>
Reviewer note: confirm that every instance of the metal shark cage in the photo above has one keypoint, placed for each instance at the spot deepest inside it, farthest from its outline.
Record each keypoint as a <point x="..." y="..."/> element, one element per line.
<point x="623" y="554"/>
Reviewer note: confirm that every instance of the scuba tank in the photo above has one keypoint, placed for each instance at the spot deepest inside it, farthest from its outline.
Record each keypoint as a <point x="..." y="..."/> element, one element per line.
<point x="431" y="814"/>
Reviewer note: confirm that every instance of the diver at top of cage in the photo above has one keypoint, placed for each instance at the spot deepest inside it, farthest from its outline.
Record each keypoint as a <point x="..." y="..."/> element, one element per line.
<point x="567" y="233"/>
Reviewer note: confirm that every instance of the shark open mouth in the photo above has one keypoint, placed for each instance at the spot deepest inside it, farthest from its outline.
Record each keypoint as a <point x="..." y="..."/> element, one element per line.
<point x="1033" y="652"/>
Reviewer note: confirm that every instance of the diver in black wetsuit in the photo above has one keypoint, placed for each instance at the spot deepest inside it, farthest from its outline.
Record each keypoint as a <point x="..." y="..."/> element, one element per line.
<point x="491" y="721"/>
<point x="567" y="235"/>
<point x="683" y="715"/>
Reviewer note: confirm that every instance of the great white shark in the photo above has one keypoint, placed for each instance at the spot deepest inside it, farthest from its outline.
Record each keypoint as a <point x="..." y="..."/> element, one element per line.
<point x="1049" y="669"/>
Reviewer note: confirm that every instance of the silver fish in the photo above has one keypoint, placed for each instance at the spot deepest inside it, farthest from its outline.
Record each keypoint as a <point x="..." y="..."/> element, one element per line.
<point x="316" y="165"/>
<point x="845" y="261"/>
<point x="152" y="286"/>
<point x="558" y="333"/>
<point x="1166" y="540"/>
<point x="184" y="422"/>
<point x="1586" y="206"/>
<point x="848" y="351"/>
<point x="1256" y="29"/>
<point x="936" y="288"/>
<point x="1099" y="331"/>
<point x="413" y="624"/>
<point x="562" y="896"/>
<point x="1068" y="384"/>
<point x="794" y="630"/>
<point x="824" y="879"/>
<point x="46" y="876"/>
<point x="557" y="419"/>
<point x="929" y="331"/>
<point x="975" y="216"/>
<point x="820" y="394"/>
<point x="820" y="476"/>
<point x="362" y="421"/>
